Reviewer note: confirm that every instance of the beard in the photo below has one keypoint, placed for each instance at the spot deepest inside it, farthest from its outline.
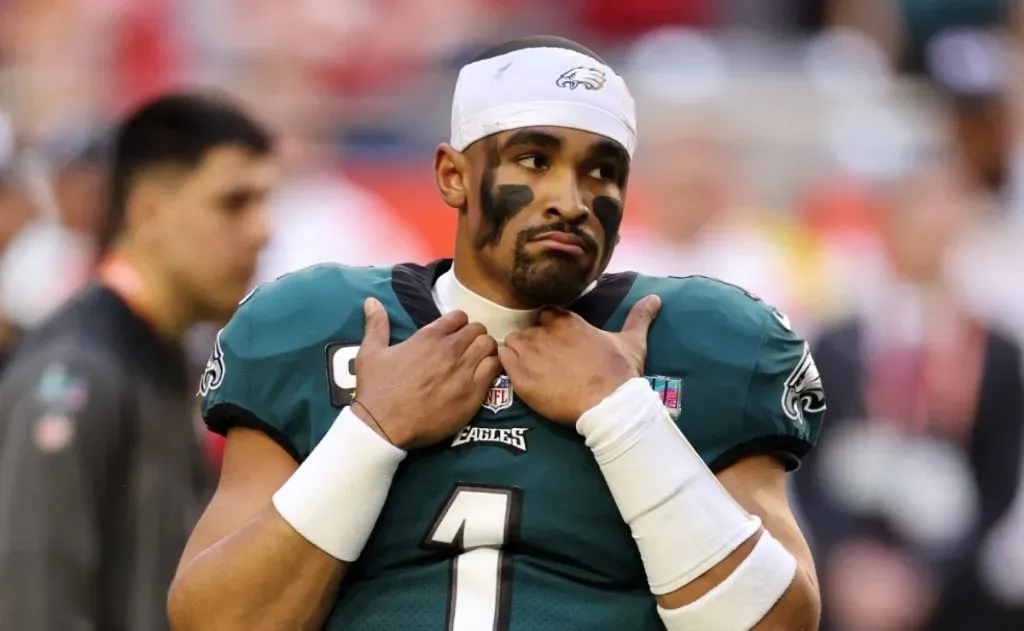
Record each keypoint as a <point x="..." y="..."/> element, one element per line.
<point x="552" y="278"/>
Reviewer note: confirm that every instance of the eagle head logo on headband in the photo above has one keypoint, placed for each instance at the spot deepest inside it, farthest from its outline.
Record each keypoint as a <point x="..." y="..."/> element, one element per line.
<point x="589" y="78"/>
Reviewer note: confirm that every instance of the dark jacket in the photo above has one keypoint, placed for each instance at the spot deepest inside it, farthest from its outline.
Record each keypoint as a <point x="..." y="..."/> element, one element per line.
<point x="101" y="472"/>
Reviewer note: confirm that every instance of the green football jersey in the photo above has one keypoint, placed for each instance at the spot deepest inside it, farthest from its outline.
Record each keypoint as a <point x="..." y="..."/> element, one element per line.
<point x="509" y="525"/>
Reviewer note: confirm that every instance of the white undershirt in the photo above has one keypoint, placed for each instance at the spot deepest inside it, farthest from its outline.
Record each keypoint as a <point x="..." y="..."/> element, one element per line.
<point x="451" y="295"/>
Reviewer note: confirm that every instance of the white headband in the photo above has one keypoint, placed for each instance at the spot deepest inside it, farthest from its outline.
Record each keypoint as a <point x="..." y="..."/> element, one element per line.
<point x="535" y="87"/>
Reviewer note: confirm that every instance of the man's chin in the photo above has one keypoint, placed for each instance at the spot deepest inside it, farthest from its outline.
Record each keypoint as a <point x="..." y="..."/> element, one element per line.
<point x="554" y="279"/>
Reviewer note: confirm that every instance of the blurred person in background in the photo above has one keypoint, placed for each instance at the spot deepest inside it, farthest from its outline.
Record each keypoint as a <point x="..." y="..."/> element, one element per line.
<point x="703" y="222"/>
<point x="103" y="473"/>
<point x="15" y="212"/>
<point x="53" y="256"/>
<point x="79" y="179"/>
<point x="923" y="456"/>
<point x="973" y="71"/>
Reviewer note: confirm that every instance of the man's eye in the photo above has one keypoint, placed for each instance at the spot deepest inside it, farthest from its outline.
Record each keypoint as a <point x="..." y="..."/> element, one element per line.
<point x="533" y="162"/>
<point x="235" y="202"/>
<point x="605" y="173"/>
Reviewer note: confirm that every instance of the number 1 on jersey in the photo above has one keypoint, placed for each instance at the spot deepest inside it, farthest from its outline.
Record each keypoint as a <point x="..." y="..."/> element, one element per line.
<point x="475" y="522"/>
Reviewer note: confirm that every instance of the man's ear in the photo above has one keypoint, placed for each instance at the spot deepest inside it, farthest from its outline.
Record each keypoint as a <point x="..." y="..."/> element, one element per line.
<point x="451" y="174"/>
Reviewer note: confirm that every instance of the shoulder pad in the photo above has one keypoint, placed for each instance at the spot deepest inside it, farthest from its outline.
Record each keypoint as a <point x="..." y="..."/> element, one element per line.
<point x="316" y="303"/>
<point x="268" y="368"/>
<point x="747" y="383"/>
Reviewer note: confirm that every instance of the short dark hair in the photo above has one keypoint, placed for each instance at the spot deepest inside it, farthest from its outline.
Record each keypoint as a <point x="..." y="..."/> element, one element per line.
<point x="176" y="129"/>
<point x="536" y="41"/>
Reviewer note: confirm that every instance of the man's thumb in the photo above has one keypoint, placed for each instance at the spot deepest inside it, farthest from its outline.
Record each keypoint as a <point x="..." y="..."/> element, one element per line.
<point x="378" y="330"/>
<point x="642" y="315"/>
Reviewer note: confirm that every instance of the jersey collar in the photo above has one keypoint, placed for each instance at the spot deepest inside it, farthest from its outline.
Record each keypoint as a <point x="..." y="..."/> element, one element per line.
<point x="414" y="286"/>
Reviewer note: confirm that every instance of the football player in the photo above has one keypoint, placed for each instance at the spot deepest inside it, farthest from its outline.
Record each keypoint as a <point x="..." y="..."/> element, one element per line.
<point x="509" y="440"/>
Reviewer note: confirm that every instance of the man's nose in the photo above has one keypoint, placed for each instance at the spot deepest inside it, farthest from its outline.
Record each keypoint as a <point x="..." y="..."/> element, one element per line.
<point x="567" y="204"/>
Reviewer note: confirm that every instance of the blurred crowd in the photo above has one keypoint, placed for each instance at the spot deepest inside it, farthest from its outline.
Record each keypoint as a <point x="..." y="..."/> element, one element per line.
<point x="857" y="163"/>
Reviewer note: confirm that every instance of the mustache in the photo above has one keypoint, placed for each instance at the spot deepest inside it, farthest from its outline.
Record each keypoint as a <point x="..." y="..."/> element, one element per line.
<point x="589" y="243"/>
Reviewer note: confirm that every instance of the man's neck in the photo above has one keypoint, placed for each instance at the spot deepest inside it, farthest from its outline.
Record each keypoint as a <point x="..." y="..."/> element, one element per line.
<point x="451" y="294"/>
<point x="491" y="286"/>
<point x="148" y="291"/>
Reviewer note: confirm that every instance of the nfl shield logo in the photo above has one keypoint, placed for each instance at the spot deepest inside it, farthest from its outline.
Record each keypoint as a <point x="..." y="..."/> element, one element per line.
<point x="670" y="389"/>
<point x="499" y="397"/>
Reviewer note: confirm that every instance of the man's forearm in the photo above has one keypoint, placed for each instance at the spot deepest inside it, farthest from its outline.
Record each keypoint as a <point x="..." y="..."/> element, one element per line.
<point x="797" y="609"/>
<point x="706" y="557"/>
<point x="264" y="576"/>
<point x="282" y="568"/>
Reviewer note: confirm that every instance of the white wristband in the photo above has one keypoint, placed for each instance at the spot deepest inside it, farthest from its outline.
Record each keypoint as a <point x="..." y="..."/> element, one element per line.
<point x="682" y="518"/>
<point x="745" y="597"/>
<point x="334" y="498"/>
